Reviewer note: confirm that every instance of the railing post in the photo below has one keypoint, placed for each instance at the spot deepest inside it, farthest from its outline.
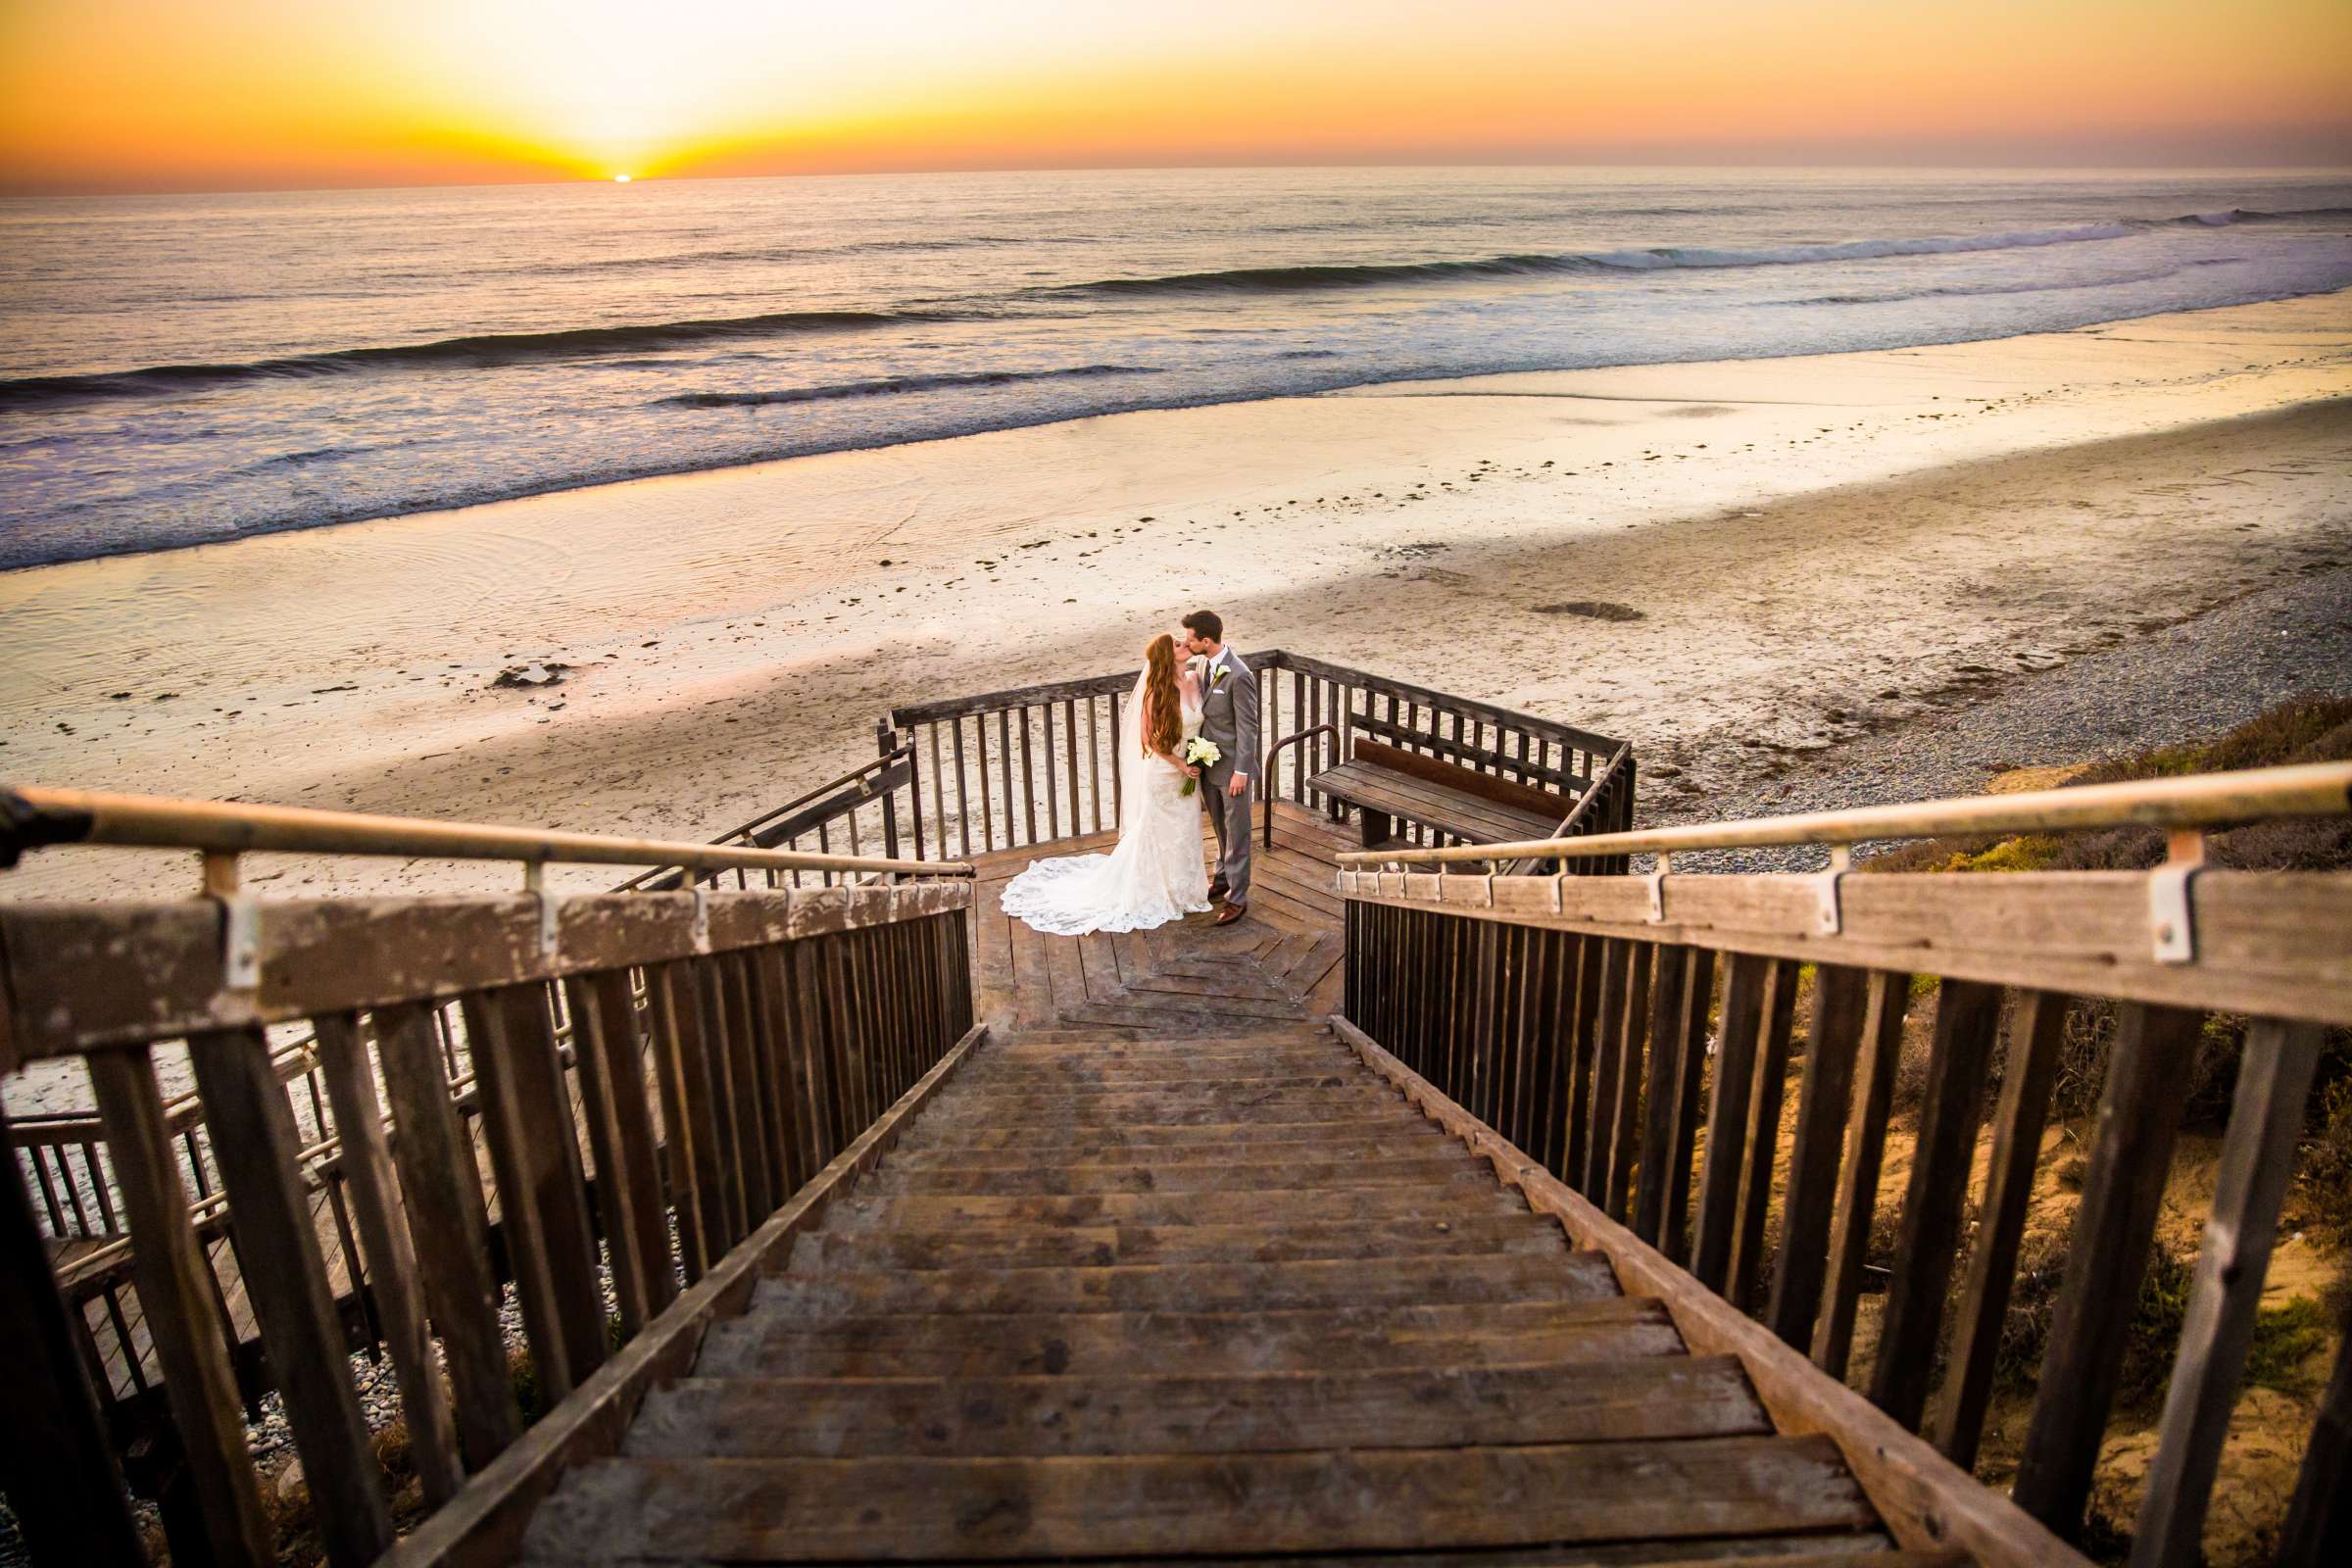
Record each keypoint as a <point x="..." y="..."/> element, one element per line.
<point x="55" y="1464"/>
<point x="886" y="740"/>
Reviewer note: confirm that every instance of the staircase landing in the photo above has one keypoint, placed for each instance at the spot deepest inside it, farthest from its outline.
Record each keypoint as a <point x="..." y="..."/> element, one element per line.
<point x="1279" y="966"/>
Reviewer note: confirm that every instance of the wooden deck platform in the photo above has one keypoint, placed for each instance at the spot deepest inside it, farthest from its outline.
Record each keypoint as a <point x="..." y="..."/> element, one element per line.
<point x="1219" y="1297"/>
<point x="1182" y="978"/>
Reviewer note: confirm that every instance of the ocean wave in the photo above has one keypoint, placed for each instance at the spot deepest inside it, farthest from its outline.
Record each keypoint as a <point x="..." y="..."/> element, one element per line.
<point x="888" y="385"/>
<point x="1983" y="290"/>
<point x="484" y="351"/>
<point x="1362" y="274"/>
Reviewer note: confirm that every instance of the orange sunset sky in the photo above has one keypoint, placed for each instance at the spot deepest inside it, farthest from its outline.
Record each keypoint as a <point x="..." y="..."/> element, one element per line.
<point x="145" y="95"/>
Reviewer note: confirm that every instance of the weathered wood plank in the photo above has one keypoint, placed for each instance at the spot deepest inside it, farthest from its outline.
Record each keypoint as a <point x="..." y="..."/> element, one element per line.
<point x="391" y="1251"/>
<point x="1746" y="993"/>
<point x="451" y="1226"/>
<point x="177" y="1291"/>
<point x="2139" y="1116"/>
<point x="1372" y="1499"/>
<point x="1835" y="1034"/>
<point x="1886" y="997"/>
<point x="543" y="1205"/>
<point x="761" y="1418"/>
<point x="2036" y="1025"/>
<point x="2258" y="1158"/>
<point x="1968" y="1019"/>
<point x="629" y="1186"/>
<point x="1762" y="1139"/>
<point x="57" y="1464"/>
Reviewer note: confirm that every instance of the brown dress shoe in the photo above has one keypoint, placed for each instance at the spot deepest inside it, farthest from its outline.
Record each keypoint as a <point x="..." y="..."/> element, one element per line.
<point x="1216" y="890"/>
<point x="1232" y="913"/>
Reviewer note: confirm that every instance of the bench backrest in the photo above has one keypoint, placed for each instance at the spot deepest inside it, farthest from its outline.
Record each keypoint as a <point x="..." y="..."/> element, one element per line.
<point x="1487" y="786"/>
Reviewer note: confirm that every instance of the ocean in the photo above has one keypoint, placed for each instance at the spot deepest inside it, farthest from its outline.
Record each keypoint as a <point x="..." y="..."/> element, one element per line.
<point x="177" y="370"/>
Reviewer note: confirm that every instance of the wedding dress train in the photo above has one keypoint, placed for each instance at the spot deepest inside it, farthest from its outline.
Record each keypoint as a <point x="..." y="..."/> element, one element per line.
<point x="1155" y="875"/>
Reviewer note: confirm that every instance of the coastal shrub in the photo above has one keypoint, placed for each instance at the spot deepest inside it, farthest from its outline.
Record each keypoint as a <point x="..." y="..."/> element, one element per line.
<point x="2323" y="1200"/>
<point x="2306" y="729"/>
<point x="2285" y="1339"/>
<point x="2150" y="1341"/>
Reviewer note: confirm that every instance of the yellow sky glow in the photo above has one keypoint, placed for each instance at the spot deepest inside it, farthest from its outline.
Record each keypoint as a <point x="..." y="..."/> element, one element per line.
<point x="231" y="94"/>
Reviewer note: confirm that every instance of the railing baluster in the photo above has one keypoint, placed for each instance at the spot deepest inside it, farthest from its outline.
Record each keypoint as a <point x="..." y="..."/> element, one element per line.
<point x="1887" y="997"/>
<point x="543" y="1209"/>
<point x="1093" y="761"/>
<point x="284" y="1276"/>
<point x="2107" y="1255"/>
<point x="1691" y="1047"/>
<point x="963" y="807"/>
<point x="1968" y="1017"/>
<point x="1839" y="1000"/>
<point x="1052" y="788"/>
<point x="1743" y="998"/>
<point x="1069" y="761"/>
<point x="391" y="1250"/>
<point x="1662" y="1092"/>
<point x="175" y="1298"/>
<point x="64" y="1483"/>
<point x="2319" y="1518"/>
<point x="2036" y="1025"/>
<point x="1608" y="1065"/>
<point x="745" y="1099"/>
<point x="1005" y="771"/>
<point x="1583" y="1047"/>
<point x="440" y="1185"/>
<point x="1763" y="1139"/>
<point x="1625" y="1120"/>
<point x="620" y="1135"/>
<point x="2258" y="1158"/>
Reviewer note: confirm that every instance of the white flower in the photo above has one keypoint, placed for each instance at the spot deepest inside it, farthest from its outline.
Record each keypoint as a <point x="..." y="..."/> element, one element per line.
<point x="1202" y="752"/>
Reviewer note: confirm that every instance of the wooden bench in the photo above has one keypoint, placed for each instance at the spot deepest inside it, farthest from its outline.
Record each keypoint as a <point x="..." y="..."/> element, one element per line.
<point x="1387" y="783"/>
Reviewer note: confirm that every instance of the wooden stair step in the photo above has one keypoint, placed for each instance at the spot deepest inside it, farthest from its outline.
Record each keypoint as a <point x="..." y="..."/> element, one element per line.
<point x="813" y="1295"/>
<point x="1015" y="1096"/>
<point x="751" y="1510"/>
<point x="1203" y="1068"/>
<point x="1106" y="1246"/>
<point x="869" y="1210"/>
<point x="1575" y="1401"/>
<point x="1156" y="1110"/>
<point x="1842" y="1549"/>
<point x="1606" y="1329"/>
<point x="940" y="1135"/>
<point x="1439" y="1165"/>
<point x="1326" y="1149"/>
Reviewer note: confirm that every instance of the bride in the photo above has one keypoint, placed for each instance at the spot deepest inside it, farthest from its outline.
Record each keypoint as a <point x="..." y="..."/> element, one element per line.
<point x="1156" y="873"/>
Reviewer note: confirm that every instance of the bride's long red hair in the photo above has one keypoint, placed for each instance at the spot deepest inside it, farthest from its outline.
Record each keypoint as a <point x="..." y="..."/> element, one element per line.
<point x="1162" y="728"/>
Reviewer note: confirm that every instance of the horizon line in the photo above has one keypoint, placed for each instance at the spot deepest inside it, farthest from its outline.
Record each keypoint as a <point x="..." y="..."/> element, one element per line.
<point x="34" y="192"/>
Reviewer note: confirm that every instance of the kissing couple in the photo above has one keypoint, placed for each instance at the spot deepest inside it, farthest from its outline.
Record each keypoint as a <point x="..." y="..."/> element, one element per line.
<point x="1188" y="744"/>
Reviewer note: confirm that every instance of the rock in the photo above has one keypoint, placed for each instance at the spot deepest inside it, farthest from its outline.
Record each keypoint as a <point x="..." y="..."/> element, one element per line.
<point x="548" y="673"/>
<point x="1592" y="608"/>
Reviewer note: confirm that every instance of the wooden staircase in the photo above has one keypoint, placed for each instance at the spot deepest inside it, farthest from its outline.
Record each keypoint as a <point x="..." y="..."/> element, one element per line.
<point x="1125" y="1297"/>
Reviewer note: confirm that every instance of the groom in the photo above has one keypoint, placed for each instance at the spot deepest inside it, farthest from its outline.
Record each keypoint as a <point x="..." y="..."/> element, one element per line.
<point x="1228" y="718"/>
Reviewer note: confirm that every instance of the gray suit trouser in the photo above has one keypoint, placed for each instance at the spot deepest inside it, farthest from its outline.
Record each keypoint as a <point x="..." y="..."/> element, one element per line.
<point x="1229" y="814"/>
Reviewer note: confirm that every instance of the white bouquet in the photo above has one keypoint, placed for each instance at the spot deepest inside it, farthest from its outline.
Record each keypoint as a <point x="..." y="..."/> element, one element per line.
<point x="1202" y="753"/>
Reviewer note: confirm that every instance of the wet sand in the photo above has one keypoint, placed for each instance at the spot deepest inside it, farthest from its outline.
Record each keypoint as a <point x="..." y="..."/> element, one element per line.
<point x="1816" y="548"/>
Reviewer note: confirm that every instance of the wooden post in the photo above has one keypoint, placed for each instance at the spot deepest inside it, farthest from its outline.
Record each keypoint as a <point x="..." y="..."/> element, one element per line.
<point x="177" y="1298"/>
<point x="57" y="1465"/>
<point x="2139" y="1116"/>
<point x="441" y="1185"/>
<point x="2257" y="1158"/>
<point x="1888" y="996"/>
<point x="285" y="1278"/>
<point x="1968" y="1017"/>
<point x="2036" y="1025"/>
<point x="543" y="1209"/>
<point x="391" y="1254"/>
<point x="1830" y="1048"/>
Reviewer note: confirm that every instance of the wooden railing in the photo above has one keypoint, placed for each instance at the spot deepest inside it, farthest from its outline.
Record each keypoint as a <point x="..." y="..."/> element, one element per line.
<point x="1601" y="1023"/>
<point x="655" y="1073"/>
<point x="875" y="797"/>
<point x="1031" y="765"/>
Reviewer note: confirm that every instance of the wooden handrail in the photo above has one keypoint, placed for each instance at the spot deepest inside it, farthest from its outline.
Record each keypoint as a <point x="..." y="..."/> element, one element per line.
<point x="36" y="817"/>
<point x="1265" y="778"/>
<point x="2209" y="800"/>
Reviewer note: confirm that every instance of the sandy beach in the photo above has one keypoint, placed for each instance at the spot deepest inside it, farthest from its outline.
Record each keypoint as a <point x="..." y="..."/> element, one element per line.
<point x="1816" y="548"/>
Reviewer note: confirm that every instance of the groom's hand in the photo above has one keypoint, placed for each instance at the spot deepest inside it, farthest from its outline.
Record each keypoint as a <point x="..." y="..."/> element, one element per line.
<point x="1238" y="786"/>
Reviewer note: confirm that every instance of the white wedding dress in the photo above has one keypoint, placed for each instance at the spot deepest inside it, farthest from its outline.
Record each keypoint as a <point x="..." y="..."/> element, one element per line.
<point x="1157" y="874"/>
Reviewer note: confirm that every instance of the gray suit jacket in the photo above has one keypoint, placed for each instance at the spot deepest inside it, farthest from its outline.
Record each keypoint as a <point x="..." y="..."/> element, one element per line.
<point x="1229" y="717"/>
